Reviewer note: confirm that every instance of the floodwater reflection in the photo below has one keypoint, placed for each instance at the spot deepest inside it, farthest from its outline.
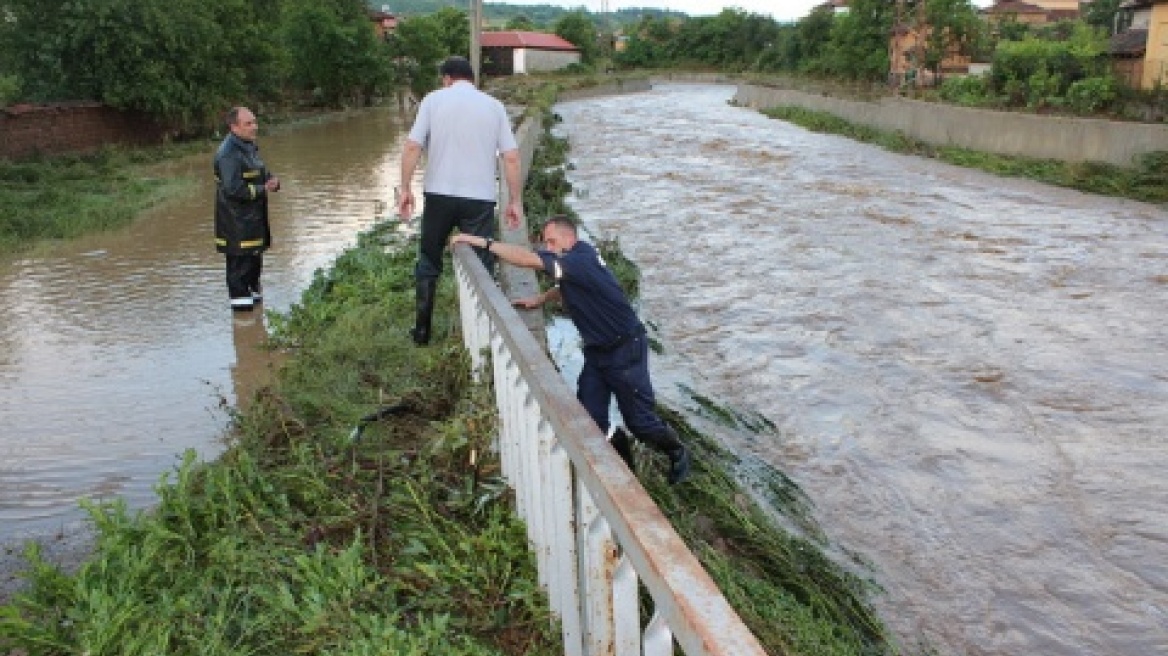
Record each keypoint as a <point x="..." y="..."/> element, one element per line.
<point x="969" y="373"/>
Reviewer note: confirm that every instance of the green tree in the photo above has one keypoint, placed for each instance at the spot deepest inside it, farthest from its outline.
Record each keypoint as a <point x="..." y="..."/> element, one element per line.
<point x="179" y="61"/>
<point x="418" y="47"/>
<point x="577" y="28"/>
<point x="31" y="53"/>
<point x="521" y="23"/>
<point x="807" y="49"/>
<point x="138" y="54"/>
<point x="335" y="52"/>
<point x="645" y="44"/>
<point x="1101" y="14"/>
<point x="953" y="26"/>
<point x="455" y="27"/>
<point x="858" y="48"/>
<point x="1039" y="72"/>
<point x="731" y="39"/>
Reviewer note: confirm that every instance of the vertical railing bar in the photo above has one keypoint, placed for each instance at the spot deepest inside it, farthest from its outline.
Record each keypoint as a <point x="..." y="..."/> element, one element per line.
<point x="626" y="611"/>
<point x="597" y="566"/>
<point x="563" y="528"/>
<point x="533" y="482"/>
<point x="547" y="509"/>
<point x="658" y="637"/>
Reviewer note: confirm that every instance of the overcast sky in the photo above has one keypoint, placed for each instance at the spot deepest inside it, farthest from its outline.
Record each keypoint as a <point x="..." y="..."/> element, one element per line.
<point x="781" y="10"/>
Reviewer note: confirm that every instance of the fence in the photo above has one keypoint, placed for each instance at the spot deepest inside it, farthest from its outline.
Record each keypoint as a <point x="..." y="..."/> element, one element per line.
<point x="597" y="535"/>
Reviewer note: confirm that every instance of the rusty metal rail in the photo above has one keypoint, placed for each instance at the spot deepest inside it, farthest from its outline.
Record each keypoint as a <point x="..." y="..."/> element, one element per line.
<point x="597" y="534"/>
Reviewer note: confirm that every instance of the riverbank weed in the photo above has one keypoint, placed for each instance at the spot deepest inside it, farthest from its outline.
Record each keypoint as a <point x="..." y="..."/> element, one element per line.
<point x="66" y="197"/>
<point x="300" y="539"/>
<point x="1146" y="180"/>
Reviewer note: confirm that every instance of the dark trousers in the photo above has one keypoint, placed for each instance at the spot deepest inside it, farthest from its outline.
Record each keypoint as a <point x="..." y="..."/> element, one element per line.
<point x="440" y="215"/>
<point x="622" y="372"/>
<point x="243" y="274"/>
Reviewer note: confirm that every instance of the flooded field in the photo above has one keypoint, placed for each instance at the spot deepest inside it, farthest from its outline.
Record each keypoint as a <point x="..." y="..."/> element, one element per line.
<point x="118" y="351"/>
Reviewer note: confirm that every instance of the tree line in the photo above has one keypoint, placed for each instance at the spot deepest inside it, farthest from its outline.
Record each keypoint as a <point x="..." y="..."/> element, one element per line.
<point x="183" y="62"/>
<point x="1063" y="66"/>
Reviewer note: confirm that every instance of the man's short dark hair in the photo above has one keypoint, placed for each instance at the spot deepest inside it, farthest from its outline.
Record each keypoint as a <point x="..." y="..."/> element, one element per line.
<point x="560" y="221"/>
<point x="232" y="115"/>
<point x="458" y="68"/>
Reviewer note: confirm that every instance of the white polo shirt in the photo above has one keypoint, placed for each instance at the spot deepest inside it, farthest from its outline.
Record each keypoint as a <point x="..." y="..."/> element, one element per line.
<point x="462" y="131"/>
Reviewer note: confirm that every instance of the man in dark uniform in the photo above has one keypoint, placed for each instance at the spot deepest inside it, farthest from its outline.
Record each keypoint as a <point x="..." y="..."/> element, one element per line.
<point x="616" y="350"/>
<point x="242" y="185"/>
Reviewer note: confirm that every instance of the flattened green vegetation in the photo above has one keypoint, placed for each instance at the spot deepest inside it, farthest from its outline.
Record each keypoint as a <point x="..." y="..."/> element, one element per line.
<point x="300" y="540"/>
<point x="1147" y="180"/>
<point x="66" y="197"/>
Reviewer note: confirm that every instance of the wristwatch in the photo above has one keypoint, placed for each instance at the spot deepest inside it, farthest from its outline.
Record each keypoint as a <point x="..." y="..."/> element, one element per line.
<point x="487" y="241"/>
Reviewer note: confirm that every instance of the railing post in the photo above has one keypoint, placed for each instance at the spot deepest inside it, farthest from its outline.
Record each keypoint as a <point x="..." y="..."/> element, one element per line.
<point x="582" y="507"/>
<point x="626" y="609"/>
<point x="598" y="556"/>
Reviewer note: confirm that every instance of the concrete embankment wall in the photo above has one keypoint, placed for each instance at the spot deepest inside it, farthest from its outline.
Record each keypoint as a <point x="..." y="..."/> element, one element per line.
<point x="1003" y="133"/>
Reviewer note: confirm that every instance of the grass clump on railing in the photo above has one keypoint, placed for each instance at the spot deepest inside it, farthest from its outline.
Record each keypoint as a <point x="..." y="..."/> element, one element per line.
<point x="1147" y="180"/>
<point x="307" y="536"/>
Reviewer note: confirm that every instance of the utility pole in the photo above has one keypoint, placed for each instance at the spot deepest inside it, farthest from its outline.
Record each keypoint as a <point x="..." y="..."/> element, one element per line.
<point x="920" y="43"/>
<point x="475" y="40"/>
<point x="894" y="55"/>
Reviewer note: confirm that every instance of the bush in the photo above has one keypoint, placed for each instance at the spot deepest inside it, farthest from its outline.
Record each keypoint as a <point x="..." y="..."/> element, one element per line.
<point x="970" y="90"/>
<point x="1044" y="89"/>
<point x="1092" y="95"/>
<point x="9" y="89"/>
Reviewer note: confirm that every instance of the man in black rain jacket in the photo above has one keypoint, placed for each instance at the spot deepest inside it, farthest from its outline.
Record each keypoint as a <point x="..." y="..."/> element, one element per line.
<point x="242" y="232"/>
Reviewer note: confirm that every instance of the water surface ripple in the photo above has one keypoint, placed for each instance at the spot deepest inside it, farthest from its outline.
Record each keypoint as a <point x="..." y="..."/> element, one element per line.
<point x="969" y="373"/>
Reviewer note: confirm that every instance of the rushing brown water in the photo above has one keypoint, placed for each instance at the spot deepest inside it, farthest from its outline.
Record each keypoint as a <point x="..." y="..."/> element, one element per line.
<point x="118" y="352"/>
<point x="969" y="373"/>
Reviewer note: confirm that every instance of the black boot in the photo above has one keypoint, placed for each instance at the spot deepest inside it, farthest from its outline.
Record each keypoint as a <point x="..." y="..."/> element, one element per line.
<point x="623" y="444"/>
<point x="424" y="304"/>
<point x="669" y="443"/>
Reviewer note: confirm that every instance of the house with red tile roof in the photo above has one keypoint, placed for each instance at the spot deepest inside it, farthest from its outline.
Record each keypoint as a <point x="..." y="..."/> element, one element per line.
<point x="517" y="53"/>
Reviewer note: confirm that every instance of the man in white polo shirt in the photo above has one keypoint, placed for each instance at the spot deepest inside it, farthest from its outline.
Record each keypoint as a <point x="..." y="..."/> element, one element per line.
<point x="462" y="130"/>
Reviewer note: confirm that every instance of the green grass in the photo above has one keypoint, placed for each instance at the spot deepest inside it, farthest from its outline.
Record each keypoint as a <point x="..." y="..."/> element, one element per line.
<point x="299" y="540"/>
<point x="1147" y="181"/>
<point x="66" y="197"/>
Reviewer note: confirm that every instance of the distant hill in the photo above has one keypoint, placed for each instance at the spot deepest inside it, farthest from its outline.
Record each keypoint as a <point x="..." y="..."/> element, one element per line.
<point x="497" y="14"/>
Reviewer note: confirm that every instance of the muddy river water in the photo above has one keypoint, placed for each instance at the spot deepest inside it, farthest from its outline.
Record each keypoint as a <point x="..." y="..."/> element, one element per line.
<point x="968" y="374"/>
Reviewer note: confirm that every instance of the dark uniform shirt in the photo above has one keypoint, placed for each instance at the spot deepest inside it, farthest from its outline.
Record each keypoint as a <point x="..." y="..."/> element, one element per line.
<point x="592" y="296"/>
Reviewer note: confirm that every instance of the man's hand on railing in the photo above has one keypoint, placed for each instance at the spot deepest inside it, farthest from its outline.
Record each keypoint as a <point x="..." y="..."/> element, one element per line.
<point x="533" y="302"/>
<point x="529" y="303"/>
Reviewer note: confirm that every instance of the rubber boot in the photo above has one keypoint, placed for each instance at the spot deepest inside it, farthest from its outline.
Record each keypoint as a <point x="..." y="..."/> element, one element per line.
<point x="622" y="443"/>
<point x="669" y="443"/>
<point x="424" y="305"/>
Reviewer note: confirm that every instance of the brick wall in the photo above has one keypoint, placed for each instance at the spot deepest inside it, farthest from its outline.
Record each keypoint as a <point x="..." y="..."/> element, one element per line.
<point x="58" y="129"/>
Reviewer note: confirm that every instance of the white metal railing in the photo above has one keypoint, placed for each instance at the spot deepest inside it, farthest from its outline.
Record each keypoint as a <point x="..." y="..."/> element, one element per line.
<point x="597" y="534"/>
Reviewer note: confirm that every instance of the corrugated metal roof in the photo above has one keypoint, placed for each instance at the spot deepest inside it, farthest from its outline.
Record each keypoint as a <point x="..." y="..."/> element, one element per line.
<point x="1130" y="42"/>
<point x="537" y="40"/>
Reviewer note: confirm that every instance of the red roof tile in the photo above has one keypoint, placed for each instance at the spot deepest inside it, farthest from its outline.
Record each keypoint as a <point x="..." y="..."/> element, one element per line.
<point x="537" y="40"/>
